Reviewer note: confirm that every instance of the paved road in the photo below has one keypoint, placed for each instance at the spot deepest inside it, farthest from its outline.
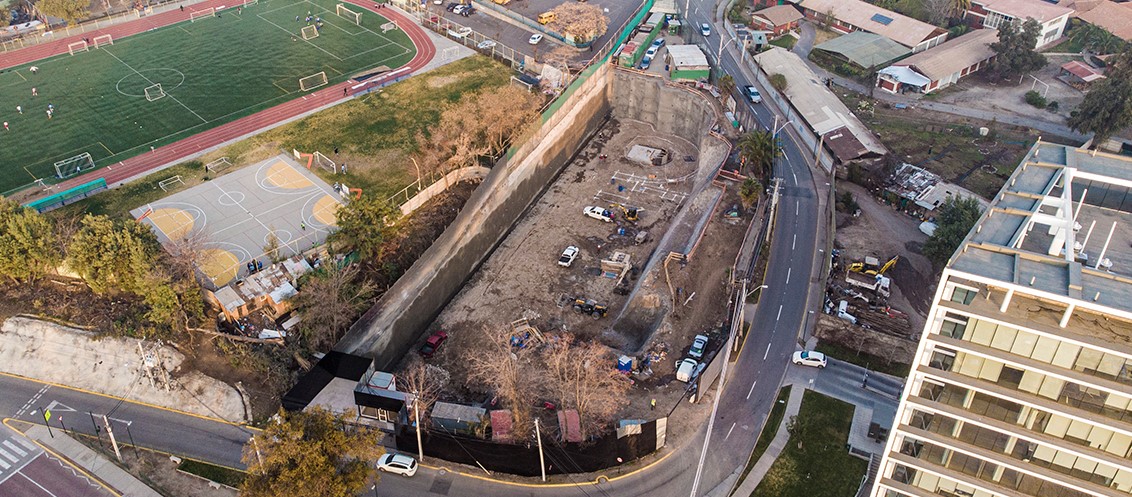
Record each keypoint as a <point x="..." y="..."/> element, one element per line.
<point x="168" y="431"/>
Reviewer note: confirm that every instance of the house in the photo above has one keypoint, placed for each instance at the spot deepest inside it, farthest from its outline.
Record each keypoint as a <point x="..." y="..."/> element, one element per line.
<point x="863" y="50"/>
<point x="271" y="290"/>
<point x="776" y="20"/>
<point x="941" y="66"/>
<point x="992" y="13"/>
<point x="687" y="62"/>
<point x="856" y="15"/>
<point x="1079" y="75"/>
<point x="1116" y="18"/>
<point x="922" y="192"/>
<point x="348" y="384"/>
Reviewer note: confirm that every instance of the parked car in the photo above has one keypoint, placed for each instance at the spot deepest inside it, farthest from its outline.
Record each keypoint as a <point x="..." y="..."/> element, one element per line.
<point x="432" y="344"/>
<point x="753" y="94"/>
<point x="699" y="345"/>
<point x="485" y="45"/>
<point x="659" y="42"/>
<point x="705" y="29"/>
<point x="687" y="369"/>
<point x="459" y="8"/>
<point x="398" y="463"/>
<point x="599" y="213"/>
<point x="809" y="358"/>
<point x="452" y="6"/>
<point x="535" y="38"/>
<point x="651" y="52"/>
<point x="468" y="11"/>
<point x="568" y="256"/>
<point x="646" y="62"/>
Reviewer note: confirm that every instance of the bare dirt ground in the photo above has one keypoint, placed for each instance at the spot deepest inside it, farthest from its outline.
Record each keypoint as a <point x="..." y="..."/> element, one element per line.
<point x="976" y="93"/>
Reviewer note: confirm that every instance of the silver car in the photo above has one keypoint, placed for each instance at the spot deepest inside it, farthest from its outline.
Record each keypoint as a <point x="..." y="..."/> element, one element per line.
<point x="398" y="463"/>
<point x="809" y="358"/>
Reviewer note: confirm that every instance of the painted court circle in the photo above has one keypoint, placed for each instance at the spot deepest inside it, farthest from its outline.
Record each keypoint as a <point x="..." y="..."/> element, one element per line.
<point x="134" y="84"/>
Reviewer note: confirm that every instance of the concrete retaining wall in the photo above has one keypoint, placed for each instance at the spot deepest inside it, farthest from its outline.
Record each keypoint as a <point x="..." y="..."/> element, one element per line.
<point x="452" y="178"/>
<point x="671" y="108"/>
<point x="389" y="328"/>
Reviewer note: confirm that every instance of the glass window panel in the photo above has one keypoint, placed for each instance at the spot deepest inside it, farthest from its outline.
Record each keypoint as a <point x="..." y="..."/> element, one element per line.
<point x="1079" y="429"/>
<point x="991" y="370"/>
<point x="927" y="481"/>
<point x="1123" y="481"/>
<point x="1119" y="444"/>
<point x="1066" y="355"/>
<point x="1004" y="338"/>
<point x="1045" y="349"/>
<point x="1085" y="464"/>
<point x="1088" y="359"/>
<point x="1111" y="364"/>
<point x="1057" y="426"/>
<point x="1051" y="388"/>
<point x="1064" y="459"/>
<point x="1024" y="343"/>
<point x="983" y="332"/>
<point x="1099" y="436"/>
<point x="1117" y="402"/>
<point x="1044" y="453"/>
<point x="1105" y="470"/>
<point x="971" y="365"/>
<point x="1031" y="381"/>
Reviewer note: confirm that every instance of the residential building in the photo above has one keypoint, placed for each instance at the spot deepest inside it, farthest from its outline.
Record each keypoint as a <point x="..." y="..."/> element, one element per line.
<point x="1116" y="18"/>
<point x="941" y="66"/>
<point x="992" y="13"/>
<point x="1022" y="382"/>
<point x="847" y="16"/>
<point x="776" y="20"/>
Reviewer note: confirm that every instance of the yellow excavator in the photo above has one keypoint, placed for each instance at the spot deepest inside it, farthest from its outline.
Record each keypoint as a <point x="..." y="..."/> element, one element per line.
<point x="631" y="213"/>
<point x="871" y="266"/>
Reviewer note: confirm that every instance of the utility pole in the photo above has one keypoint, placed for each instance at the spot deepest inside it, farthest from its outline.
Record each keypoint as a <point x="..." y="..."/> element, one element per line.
<point x="541" y="461"/>
<point x="110" y="433"/>
<point x="417" y="414"/>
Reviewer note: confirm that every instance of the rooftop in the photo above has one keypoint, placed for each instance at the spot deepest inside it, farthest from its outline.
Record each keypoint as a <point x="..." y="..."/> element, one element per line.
<point x="1038" y="9"/>
<point x="1116" y="18"/>
<point x="898" y="27"/>
<point x="685" y="56"/>
<point x="953" y="55"/>
<point x="779" y="15"/>
<point x="865" y="49"/>
<point x="1059" y="231"/>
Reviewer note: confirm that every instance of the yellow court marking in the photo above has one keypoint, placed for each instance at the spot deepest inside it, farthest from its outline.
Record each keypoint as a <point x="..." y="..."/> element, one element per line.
<point x="326" y="210"/>
<point x="281" y="174"/>
<point x="175" y="223"/>
<point x="220" y="266"/>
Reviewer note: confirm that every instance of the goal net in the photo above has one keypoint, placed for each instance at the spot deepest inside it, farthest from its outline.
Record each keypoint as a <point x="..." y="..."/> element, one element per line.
<point x="218" y="165"/>
<point x="75" y="165"/>
<point x="387" y="27"/>
<point x="154" y="92"/>
<point x="313" y="81"/>
<point x="325" y="162"/>
<point x="103" y="40"/>
<point x="345" y="12"/>
<point x="197" y="14"/>
<point x="309" y="32"/>
<point x="76" y="47"/>
<point x="250" y="2"/>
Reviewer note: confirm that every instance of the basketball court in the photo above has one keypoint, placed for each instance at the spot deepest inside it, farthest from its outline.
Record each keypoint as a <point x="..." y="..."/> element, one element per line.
<point x="237" y="213"/>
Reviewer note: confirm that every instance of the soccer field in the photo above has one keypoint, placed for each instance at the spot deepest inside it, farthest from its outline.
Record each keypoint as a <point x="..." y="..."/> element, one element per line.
<point x="212" y="71"/>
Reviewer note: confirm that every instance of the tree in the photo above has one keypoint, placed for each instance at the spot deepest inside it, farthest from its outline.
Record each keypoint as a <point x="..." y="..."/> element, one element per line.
<point x="560" y="58"/>
<point x="778" y="82"/>
<point x="310" y="452"/>
<point x="507" y="112"/>
<point x="1096" y="39"/>
<point x="425" y="381"/>
<point x="959" y="7"/>
<point x="583" y="376"/>
<point x="938" y="10"/>
<point x="68" y="10"/>
<point x="364" y="225"/>
<point x="954" y="220"/>
<point x="5" y="17"/>
<point x="758" y="149"/>
<point x="328" y="302"/>
<point x="28" y="246"/>
<point x="583" y="21"/>
<point x="113" y="256"/>
<point x="726" y="85"/>
<point x="514" y="381"/>
<point x="1108" y="105"/>
<point x="749" y="192"/>
<point x="1015" y="54"/>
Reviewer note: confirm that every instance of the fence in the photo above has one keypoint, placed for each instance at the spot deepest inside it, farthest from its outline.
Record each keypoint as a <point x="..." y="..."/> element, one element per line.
<point x="111" y="18"/>
<point x="472" y="39"/>
<point x="501" y="10"/>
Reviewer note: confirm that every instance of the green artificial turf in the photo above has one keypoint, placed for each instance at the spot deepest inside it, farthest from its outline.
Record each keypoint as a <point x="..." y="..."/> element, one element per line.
<point x="213" y="71"/>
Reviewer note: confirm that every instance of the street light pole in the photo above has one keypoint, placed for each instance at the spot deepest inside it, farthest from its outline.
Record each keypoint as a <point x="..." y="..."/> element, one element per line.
<point x="417" y="414"/>
<point x="541" y="461"/>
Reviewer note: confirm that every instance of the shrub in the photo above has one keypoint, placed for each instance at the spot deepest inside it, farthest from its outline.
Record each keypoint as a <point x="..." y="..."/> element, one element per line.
<point x="1053" y="106"/>
<point x="778" y="81"/>
<point x="1036" y="99"/>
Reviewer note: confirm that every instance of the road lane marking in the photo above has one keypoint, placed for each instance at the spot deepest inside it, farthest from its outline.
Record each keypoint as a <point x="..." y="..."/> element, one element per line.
<point x="31" y="402"/>
<point x="752" y="390"/>
<point x="725" y="437"/>
<point x="797" y="208"/>
<point x="795" y="178"/>
<point x="779" y="316"/>
<point x="794" y="241"/>
<point x="787" y="277"/>
<point x="765" y="353"/>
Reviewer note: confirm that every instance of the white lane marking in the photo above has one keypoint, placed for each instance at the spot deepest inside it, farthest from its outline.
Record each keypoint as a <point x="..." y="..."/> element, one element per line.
<point x="15" y="448"/>
<point x="795" y="178"/>
<point x="797" y="208"/>
<point x="779" y="316"/>
<point x="31" y="402"/>
<point x="767" y="351"/>
<point x="33" y="482"/>
<point x="794" y="241"/>
<point x="787" y="280"/>
<point x="752" y="390"/>
<point x="725" y="437"/>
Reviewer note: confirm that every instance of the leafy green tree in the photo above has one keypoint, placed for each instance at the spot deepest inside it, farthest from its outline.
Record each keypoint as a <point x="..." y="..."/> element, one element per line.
<point x="68" y="10"/>
<point x="1108" y="104"/>
<point x="5" y="16"/>
<point x="758" y="149"/>
<point x="1015" y="49"/>
<point x="364" y="225"/>
<point x="28" y="248"/>
<point x="111" y="256"/>
<point x="954" y="220"/>
<point x="778" y="81"/>
<point x="726" y="85"/>
<point x="1096" y="39"/>
<point x="749" y="192"/>
<point x="310" y="452"/>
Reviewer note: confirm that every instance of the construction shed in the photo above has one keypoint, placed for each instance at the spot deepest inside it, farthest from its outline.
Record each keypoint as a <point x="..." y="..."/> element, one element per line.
<point x="687" y="63"/>
<point x="270" y="289"/>
<point x="457" y="418"/>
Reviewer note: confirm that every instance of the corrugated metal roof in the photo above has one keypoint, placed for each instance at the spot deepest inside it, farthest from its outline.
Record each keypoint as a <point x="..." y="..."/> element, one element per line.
<point x="865" y="49"/>
<point x="779" y="15"/>
<point x="953" y="55"/>
<point x="900" y="28"/>
<point x="1113" y="17"/>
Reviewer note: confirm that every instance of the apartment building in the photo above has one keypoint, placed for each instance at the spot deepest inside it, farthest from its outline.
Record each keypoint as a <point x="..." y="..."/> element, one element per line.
<point x="1022" y="383"/>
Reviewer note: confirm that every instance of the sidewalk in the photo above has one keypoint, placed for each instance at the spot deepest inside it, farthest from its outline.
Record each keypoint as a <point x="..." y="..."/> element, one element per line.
<point x="81" y="456"/>
<point x="781" y="437"/>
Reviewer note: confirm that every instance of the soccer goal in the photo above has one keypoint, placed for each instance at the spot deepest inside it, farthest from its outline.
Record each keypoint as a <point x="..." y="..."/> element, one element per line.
<point x="313" y="81"/>
<point x="218" y="165"/>
<point x="99" y="41"/>
<point x="154" y="92"/>
<point x="168" y="183"/>
<point x="309" y="32"/>
<point x="76" y="47"/>
<point x="75" y="165"/>
<point x="387" y="27"/>
<point x="343" y="11"/>
<point x="325" y="162"/>
<point x="248" y="3"/>
<point x="197" y="14"/>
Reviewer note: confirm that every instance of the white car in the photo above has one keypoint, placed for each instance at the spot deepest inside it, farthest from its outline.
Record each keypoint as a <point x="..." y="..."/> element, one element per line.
<point x="705" y="29"/>
<point x="651" y="52"/>
<point x="687" y="370"/>
<point x="699" y="345"/>
<point x="809" y="358"/>
<point x="753" y="94"/>
<point x="535" y="38"/>
<point x="568" y="256"/>
<point x="486" y="44"/>
<point x="398" y="463"/>
<point x="599" y="213"/>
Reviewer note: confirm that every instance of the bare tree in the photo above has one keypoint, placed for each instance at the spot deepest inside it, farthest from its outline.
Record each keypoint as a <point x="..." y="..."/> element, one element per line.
<point x="514" y="380"/>
<point x="560" y="58"/>
<point x="329" y="301"/>
<point x="425" y="381"/>
<point x="508" y="112"/>
<point x="938" y="10"/>
<point x="583" y="21"/>
<point x="583" y="376"/>
<point x="186" y="254"/>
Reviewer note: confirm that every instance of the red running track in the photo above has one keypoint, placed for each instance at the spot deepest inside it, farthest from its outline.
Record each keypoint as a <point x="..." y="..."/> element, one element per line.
<point x="134" y="166"/>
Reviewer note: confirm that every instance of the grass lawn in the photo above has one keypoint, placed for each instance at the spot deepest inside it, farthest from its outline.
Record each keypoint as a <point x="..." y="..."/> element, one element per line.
<point x="863" y="359"/>
<point x="786" y="42"/>
<point x="815" y="462"/>
<point x="218" y="474"/>
<point x="212" y="71"/>
<point x="770" y="429"/>
<point x="374" y="135"/>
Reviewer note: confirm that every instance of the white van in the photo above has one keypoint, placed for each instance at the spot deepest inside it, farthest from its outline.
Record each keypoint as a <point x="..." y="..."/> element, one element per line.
<point x="686" y="370"/>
